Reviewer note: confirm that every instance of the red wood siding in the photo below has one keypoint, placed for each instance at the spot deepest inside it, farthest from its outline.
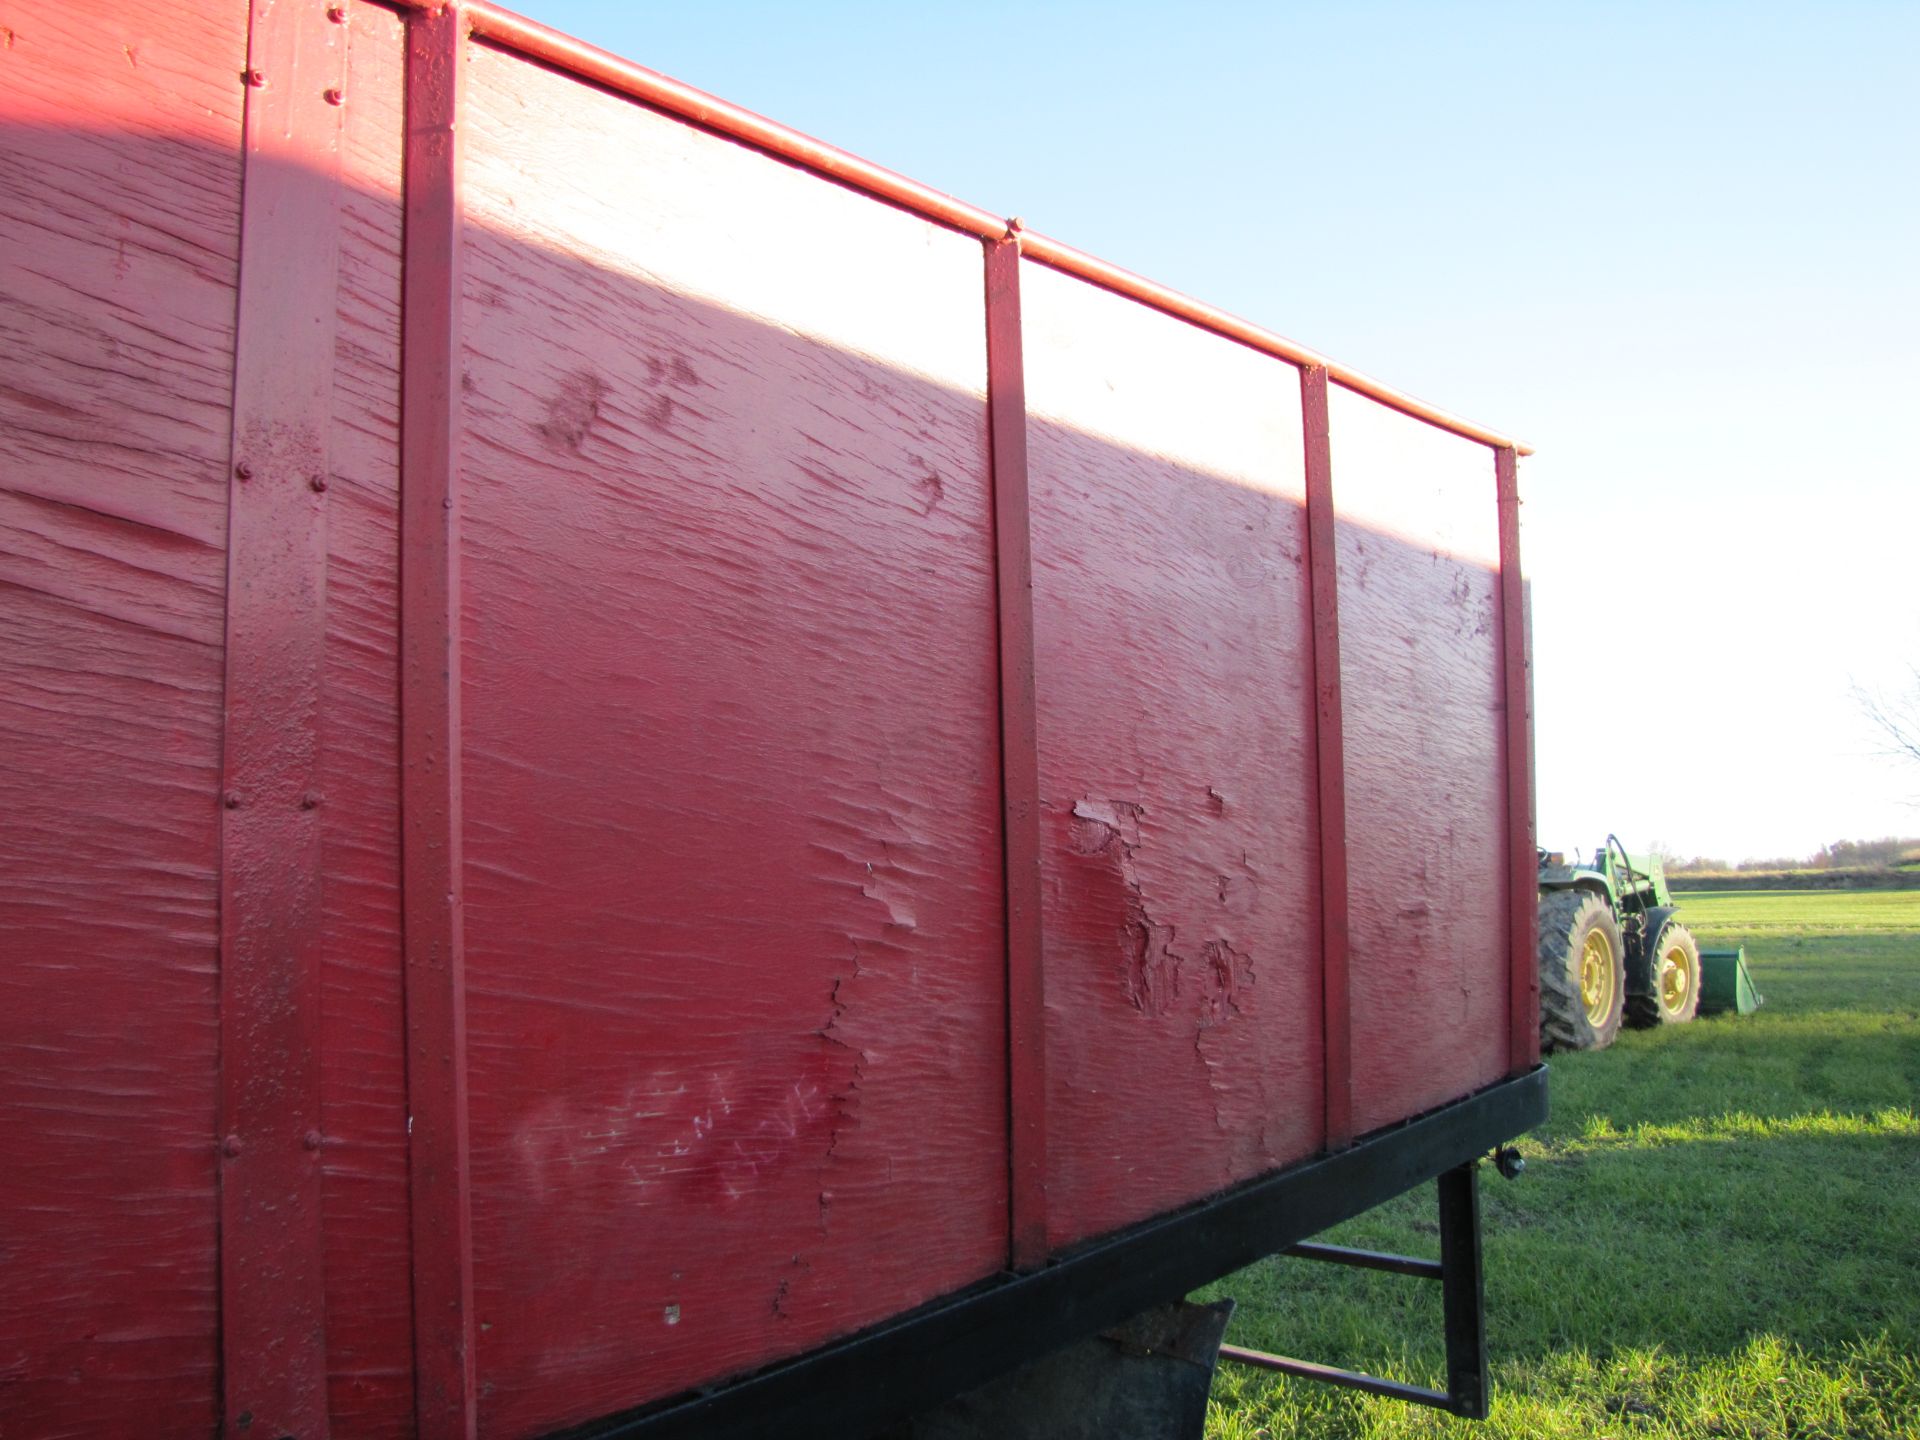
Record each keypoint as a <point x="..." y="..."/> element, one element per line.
<point x="733" y="881"/>
<point x="120" y="163"/>
<point x="1426" y="801"/>
<point x="363" y="1075"/>
<point x="1179" y="834"/>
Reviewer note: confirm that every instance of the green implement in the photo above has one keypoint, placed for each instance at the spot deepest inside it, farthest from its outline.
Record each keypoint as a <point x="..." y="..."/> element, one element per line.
<point x="1725" y="985"/>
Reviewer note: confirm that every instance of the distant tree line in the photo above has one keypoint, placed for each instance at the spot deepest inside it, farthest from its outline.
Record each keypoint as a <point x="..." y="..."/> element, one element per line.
<point x="1887" y="853"/>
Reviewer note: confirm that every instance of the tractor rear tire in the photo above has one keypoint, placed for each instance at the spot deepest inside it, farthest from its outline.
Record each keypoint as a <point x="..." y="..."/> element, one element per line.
<point x="1583" y="981"/>
<point x="1663" y="978"/>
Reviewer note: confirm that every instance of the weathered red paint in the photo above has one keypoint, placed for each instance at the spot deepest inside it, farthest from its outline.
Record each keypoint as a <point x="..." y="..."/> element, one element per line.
<point x="272" y="1290"/>
<point x="1329" y="758"/>
<point x="119" y="248"/>
<point x="433" y="875"/>
<point x="1019" y="757"/>
<point x="730" y="729"/>
<point x="679" y="653"/>
<point x="363" y="1043"/>
<point x="1523" y="909"/>
<point x="1175" y="693"/>
<point x="536" y="41"/>
<point x="1426" y="785"/>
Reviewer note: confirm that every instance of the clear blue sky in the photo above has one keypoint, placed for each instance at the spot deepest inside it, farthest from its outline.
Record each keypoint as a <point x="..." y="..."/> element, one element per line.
<point x="1676" y="247"/>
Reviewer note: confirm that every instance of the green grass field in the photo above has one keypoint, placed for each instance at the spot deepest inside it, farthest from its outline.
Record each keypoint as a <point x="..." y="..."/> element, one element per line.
<point x="1718" y="1233"/>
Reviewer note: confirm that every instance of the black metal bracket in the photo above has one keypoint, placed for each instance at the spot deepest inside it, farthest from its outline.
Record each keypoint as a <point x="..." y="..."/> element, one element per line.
<point x="1463" y="1306"/>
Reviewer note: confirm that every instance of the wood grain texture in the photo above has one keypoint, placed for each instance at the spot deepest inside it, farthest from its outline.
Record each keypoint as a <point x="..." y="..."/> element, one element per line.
<point x="119" y="211"/>
<point x="733" y="885"/>
<point x="1420" y="665"/>
<point x="1027" y="1097"/>
<point x="272" y="1281"/>
<point x="1516" y="680"/>
<point x="1330" y="758"/>
<point x="363" y="1061"/>
<point x="432" y="869"/>
<point x="1174" y="671"/>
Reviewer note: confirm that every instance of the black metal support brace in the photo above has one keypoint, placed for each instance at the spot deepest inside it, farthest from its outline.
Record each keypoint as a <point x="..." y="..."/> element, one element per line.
<point x="1462" y="1291"/>
<point x="1368" y="1260"/>
<point x="1462" y="1304"/>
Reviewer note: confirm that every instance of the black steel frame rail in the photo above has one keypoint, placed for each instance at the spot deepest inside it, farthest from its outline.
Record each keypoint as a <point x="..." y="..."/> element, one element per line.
<point x="1462" y="1307"/>
<point x="879" y="1376"/>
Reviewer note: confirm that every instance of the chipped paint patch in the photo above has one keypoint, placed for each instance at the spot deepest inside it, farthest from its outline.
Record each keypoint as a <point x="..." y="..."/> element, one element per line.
<point x="1159" y="975"/>
<point x="715" y="1135"/>
<point x="573" y="409"/>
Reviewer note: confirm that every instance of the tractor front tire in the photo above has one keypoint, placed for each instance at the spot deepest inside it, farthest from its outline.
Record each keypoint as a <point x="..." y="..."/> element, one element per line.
<point x="1583" y="979"/>
<point x="1663" y="980"/>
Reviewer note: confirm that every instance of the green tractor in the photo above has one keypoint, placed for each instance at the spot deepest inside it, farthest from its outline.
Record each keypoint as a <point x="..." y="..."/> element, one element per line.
<point x="1610" y="950"/>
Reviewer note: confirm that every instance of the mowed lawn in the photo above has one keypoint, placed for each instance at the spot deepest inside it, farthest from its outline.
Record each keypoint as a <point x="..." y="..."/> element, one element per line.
<point x="1718" y="1232"/>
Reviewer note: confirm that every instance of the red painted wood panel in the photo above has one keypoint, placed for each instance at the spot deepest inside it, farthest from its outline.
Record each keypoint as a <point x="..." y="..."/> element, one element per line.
<point x="1330" y="758"/>
<point x="1516" y="677"/>
<point x="734" y="905"/>
<point x="363" y="1061"/>
<point x="272" y="1282"/>
<point x="119" y="168"/>
<point x="431" y="740"/>
<point x="1027" y="1097"/>
<point x="1426" y="798"/>
<point x="1174" y="668"/>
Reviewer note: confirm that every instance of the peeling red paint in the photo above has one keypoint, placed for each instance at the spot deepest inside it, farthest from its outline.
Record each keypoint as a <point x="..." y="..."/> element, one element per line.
<point x="1155" y="971"/>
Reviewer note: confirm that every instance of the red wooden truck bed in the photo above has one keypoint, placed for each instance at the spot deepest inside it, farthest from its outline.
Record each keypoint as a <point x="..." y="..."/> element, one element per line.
<point x="636" y="751"/>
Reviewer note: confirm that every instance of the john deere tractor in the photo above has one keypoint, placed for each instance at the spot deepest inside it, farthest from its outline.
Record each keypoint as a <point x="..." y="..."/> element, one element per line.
<point x="1610" y="950"/>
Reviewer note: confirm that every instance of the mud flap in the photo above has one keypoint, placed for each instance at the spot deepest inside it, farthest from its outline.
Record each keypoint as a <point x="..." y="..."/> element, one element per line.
<point x="1147" y="1379"/>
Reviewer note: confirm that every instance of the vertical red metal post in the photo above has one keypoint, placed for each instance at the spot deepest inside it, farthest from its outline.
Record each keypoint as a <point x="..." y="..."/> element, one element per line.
<point x="272" y="1280"/>
<point x="1330" y="750"/>
<point x="430" y="730"/>
<point x="1019" y="759"/>
<point x="1523" y="911"/>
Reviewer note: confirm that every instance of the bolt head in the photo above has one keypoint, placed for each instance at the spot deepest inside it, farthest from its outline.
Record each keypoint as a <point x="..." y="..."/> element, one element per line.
<point x="231" y="799"/>
<point x="337" y="14"/>
<point x="336" y="97"/>
<point x="253" y="77"/>
<point x="318" y="482"/>
<point x="230" y="1147"/>
<point x="243" y="470"/>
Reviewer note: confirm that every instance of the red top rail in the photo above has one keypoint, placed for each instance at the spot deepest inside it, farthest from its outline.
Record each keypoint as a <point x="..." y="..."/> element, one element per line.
<point x="538" y="42"/>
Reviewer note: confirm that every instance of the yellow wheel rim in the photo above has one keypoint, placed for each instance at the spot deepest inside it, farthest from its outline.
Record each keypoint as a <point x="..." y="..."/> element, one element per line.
<point x="1676" y="979"/>
<point x="1596" y="978"/>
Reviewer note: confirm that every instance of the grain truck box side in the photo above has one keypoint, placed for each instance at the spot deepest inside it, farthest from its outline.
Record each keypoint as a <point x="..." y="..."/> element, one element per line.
<point x="657" y="774"/>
